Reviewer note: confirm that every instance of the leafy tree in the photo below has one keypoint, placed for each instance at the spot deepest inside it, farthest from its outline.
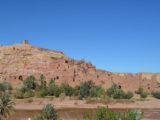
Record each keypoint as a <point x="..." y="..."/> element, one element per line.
<point x="6" y="106"/>
<point x="41" y="88"/>
<point x="54" y="90"/>
<point x="68" y="90"/>
<point x="43" y="82"/>
<point x="85" y="88"/>
<point x="29" y="82"/>
<point x="51" y="81"/>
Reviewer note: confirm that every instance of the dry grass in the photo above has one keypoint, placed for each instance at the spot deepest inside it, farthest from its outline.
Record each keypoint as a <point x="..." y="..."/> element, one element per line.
<point x="108" y="100"/>
<point x="97" y="100"/>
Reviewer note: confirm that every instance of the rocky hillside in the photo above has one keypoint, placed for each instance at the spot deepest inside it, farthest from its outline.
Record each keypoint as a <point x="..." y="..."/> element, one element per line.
<point x="21" y="60"/>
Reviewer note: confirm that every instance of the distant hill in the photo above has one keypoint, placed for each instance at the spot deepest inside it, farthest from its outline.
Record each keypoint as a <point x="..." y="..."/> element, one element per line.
<point x="21" y="60"/>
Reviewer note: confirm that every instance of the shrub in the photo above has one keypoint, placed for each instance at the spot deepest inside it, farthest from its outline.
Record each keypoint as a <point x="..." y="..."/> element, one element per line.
<point x="143" y="94"/>
<point x="101" y="91"/>
<point x="110" y="91"/>
<point x="62" y="96"/>
<point x="5" y="86"/>
<point x="38" y="117"/>
<point x="24" y="89"/>
<point x="30" y="100"/>
<point x="24" y="92"/>
<point x="156" y="94"/>
<point x="118" y="94"/>
<point x="132" y="115"/>
<point x="128" y="95"/>
<point x="39" y="92"/>
<point x="103" y="113"/>
<point x="6" y="106"/>
<point x="49" y="112"/>
<point x="139" y="91"/>
<point x="93" y="92"/>
<point x="2" y="87"/>
<point x="28" y="94"/>
<point x="18" y="94"/>
<point x="29" y="82"/>
<point x="96" y="91"/>
<point x="114" y="88"/>
<point x="76" y="91"/>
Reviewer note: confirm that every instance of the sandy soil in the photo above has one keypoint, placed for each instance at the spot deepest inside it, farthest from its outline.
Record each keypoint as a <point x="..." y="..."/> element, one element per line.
<point x="39" y="103"/>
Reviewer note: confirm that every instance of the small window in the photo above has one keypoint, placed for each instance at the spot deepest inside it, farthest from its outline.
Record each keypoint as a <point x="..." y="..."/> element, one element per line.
<point x="66" y="61"/>
<point x="20" y="78"/>
<point x="97" y="76"/>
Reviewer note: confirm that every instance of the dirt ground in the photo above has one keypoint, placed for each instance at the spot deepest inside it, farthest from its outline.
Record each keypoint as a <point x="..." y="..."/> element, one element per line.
<point x="39" y="103"/>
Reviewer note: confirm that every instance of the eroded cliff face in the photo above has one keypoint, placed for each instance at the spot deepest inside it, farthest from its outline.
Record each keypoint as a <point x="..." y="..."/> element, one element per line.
<point x="22" y="60"/>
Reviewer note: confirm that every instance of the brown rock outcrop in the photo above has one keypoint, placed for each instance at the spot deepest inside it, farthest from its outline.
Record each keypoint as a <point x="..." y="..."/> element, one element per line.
<point x="22" y="60"/>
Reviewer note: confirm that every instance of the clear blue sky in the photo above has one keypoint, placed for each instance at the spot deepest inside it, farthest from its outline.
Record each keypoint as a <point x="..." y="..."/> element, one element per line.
<point x="116" y="35"/>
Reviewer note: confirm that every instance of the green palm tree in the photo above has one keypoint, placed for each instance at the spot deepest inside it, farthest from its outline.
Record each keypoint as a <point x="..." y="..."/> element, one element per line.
<point x="6" y="106"/>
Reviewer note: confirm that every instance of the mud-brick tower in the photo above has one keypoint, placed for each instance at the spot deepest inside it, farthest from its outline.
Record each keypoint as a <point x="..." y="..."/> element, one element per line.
<point x="25" y="42"/>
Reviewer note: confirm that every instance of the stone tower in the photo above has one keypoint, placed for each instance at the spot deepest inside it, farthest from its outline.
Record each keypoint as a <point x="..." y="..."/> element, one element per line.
<point x="25" y="42"/>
